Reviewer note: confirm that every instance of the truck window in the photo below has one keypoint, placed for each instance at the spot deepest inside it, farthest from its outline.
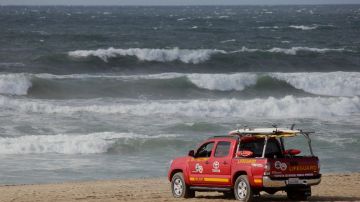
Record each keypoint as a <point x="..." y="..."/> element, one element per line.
<point x="257" y="145"/>
<point x="222" y="149"/>
<point x="205" y="150"/>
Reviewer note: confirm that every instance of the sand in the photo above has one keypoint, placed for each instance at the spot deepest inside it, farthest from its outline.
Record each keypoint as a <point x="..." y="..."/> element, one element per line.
<point x="334" y="187"/>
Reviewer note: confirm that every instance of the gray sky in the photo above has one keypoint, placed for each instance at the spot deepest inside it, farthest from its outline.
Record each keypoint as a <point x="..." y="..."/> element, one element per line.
<point x="173" y="2"/>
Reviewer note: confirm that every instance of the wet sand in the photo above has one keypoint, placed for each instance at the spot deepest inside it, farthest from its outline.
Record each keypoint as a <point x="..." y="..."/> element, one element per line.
<point x="334" y="187"/>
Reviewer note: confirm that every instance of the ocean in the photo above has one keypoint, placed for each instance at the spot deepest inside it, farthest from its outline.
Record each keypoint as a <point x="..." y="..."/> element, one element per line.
<point x="91" y="93"/>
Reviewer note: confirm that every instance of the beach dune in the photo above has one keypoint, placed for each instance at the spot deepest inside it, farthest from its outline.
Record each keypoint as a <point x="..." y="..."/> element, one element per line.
<point x="334" y="187"/>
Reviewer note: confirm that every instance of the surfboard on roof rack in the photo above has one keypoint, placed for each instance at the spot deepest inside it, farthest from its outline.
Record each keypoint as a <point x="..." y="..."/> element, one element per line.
<point x="260" y="132"/>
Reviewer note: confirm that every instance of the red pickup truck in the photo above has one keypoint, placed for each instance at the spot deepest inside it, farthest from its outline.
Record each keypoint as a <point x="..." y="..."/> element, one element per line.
<point x="244" y="163"/>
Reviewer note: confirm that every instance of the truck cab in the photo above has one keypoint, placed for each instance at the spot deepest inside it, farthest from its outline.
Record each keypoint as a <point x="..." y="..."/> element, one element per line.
<point x="244" y="163"/>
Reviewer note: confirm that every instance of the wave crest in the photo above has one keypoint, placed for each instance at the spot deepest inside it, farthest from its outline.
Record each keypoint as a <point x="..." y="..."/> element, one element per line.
<point x="286" y="107"/>
<point x="189" y="56"/>
<point x="14" y="84"/>
<point x="291" y="51"/>
<point x="330" y="83"/>
<point x="319" y="83"/>
<point x="147" y="54"/>
<point x="66" y="143"/>
<point x="304" y="27"/>
<point x="310" y="27"/>
<point x="223" y="82"/>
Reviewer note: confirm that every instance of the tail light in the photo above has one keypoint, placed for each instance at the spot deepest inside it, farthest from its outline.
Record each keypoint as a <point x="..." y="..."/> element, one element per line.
<point x="267" y="168"/>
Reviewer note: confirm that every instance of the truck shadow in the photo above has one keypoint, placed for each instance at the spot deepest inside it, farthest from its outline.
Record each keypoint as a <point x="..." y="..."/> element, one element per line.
<point x="283" y="198"/>
<point x="313" y="198"/>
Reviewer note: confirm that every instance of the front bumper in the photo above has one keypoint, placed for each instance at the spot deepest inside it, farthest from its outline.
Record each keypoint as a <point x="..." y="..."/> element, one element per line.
<point x="275" y="183"/>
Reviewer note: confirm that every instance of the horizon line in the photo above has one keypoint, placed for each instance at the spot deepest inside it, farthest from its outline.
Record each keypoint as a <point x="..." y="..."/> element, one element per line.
<point x="141" y="5"/>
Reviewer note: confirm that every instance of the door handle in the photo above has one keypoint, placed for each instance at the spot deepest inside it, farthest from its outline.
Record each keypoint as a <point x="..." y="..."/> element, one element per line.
<point x="206" y="162"/>
<point x="225" y="163"/>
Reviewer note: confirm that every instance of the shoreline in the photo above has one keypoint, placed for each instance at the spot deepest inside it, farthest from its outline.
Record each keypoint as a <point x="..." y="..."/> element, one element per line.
<point x="334" y="187"/>
<point x="131" y="179"/>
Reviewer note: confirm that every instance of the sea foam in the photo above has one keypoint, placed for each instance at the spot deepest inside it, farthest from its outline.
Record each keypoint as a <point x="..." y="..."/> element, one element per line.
<point x="223" y="82"/>
<point x="14" y="84"/>
<point x="291" y="50"/>
<point x="146" y="54"/>
<point x="191" y="56"/>
<point x="319" y="83"/>
<point x="304" y="27"/>
<point x="295" y="50"/>
<point x="310" y="27"/>
<point x="329" y="83"/>
<point x="286" y="107"/>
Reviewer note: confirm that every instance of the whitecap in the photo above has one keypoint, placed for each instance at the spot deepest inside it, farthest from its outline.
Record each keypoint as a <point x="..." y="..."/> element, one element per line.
<point x="14" y="84"/>
<point x="223" y="82"/>
<point x="324" y="83"/>
<point x="304" y="27"/>
<point x="286" y="107"/>
<point x="194" y="56"/>
<point x="92" y="143"/>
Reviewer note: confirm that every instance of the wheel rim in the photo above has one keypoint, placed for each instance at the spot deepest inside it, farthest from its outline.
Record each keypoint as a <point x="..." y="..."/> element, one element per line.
<point x="178" y="187"/>
<point x="242" y="189"/>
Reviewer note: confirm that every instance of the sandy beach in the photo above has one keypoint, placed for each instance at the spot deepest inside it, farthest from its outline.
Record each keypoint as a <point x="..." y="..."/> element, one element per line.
<point x="334" y="187"/>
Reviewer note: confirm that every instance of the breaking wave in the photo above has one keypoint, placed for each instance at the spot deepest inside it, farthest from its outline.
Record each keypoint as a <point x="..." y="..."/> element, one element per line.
<point x="285" y="107"/>
<point x="14" y="84"/>
<point x="318" y="83"/>
<point x="189" y="56"/>
<point x="223" y="82"/>
<point x="310" y="27"/>
<point x="330" y="83"/>
<point x="146" y="54"/>
<point x="304" y="27"/>
<point x="67" y="143"/>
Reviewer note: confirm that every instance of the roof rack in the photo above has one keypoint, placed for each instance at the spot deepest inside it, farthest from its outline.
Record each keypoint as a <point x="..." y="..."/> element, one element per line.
<point x="268" y="132"/>
<point x="225" y="136"/>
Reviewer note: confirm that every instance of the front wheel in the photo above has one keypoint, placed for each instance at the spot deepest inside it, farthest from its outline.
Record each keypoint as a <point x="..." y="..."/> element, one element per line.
<point x="242" y="189"/>
<point x="178" y="187"/>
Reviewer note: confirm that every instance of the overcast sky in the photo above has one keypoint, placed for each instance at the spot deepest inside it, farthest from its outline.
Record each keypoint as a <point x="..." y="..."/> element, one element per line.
<point x="173" y="2"/>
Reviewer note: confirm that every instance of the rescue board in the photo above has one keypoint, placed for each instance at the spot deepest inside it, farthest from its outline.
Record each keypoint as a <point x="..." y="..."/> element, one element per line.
<point x="284" y="132"/>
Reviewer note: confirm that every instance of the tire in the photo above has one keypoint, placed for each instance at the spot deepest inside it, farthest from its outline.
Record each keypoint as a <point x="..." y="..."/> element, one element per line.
<point x="178" y="187"/>
<point x="242" y="189"/>
<point x="300" y="194"/>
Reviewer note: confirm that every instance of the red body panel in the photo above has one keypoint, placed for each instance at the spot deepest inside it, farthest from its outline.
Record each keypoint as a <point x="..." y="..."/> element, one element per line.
<point x="294" y="167"/>
<point x="222" y="171"/>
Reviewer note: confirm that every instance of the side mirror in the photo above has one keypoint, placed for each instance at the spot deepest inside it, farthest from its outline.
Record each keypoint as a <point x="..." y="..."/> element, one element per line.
<point x="191" y="153"/>
<point x="244" y="153"/>
<point x="292" y="152"/>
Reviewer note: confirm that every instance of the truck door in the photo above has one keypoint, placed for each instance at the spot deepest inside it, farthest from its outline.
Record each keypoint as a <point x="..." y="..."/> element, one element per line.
<point x="199" y="165"/>
<point x="219" y="164"/>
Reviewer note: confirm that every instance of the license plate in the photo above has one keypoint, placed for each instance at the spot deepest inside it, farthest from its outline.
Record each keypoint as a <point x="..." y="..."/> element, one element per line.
<point x="293" y="181"/>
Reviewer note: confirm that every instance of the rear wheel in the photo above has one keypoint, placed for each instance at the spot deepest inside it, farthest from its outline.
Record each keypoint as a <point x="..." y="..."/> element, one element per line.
<point x="242" y="189"/>
<point x="178" y="187"/>
<point x="299" y="194"/>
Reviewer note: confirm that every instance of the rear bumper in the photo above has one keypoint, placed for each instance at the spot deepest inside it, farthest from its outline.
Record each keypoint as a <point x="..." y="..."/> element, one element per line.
<point x="272" y="183"/>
